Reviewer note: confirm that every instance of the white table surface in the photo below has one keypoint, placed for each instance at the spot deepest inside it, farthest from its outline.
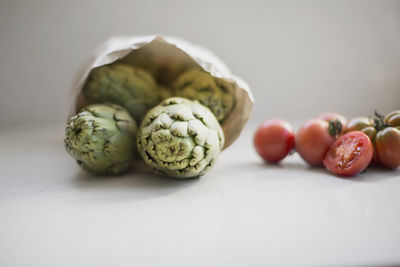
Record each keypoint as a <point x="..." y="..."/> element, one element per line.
<point x="242" y="212"/>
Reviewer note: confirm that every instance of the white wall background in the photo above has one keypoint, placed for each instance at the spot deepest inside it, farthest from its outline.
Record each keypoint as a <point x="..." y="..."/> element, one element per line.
<point x="299" y="57"/>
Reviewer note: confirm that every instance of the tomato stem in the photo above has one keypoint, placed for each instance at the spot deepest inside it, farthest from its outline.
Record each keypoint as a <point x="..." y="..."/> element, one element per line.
<point x="335" y="128"/>
<point x="378" y="121"/>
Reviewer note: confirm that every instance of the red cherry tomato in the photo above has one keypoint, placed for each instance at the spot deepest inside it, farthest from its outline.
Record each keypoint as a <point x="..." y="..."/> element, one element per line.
<point x="350" y="154"/>
<point x="332" y="116"/>
<point x="274" y="139"/>
<point x="387" y="146"/>
<point x="313" y="141"/>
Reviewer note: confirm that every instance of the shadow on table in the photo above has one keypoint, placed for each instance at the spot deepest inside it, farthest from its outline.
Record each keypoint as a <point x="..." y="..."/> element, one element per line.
<point x="138" y="184"/>
<point x="373" y="173"/>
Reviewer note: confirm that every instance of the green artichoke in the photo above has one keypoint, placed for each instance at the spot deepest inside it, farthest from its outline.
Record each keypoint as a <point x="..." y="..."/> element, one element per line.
<point x="133" y="88"/>
<point x="102" y="138"/>
<point x="214" y="93"/>
<point x="180" y="138"/>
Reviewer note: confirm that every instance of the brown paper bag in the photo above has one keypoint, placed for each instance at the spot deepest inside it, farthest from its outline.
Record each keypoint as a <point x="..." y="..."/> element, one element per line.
<point x="166" y="58"/>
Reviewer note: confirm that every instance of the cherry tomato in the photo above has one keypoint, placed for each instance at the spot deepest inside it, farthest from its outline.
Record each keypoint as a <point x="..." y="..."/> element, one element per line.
<point x="358" y="123"/>
<point x="313" y="141"/>
<point x="387" y="145"/>
<point x="373" y="127"/>
<point x="366" y="126"/>
<point x="393" y="118"/>
<point x="332" y="116"/>
<point x="274" y="139"/>
<point x="350" y="154"/>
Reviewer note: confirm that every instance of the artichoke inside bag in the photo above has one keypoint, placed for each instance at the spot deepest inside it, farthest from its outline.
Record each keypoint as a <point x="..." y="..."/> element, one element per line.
<point x="133" y="88"/>
<point x="160" y="65"/>
<point x="164" y="61"/>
